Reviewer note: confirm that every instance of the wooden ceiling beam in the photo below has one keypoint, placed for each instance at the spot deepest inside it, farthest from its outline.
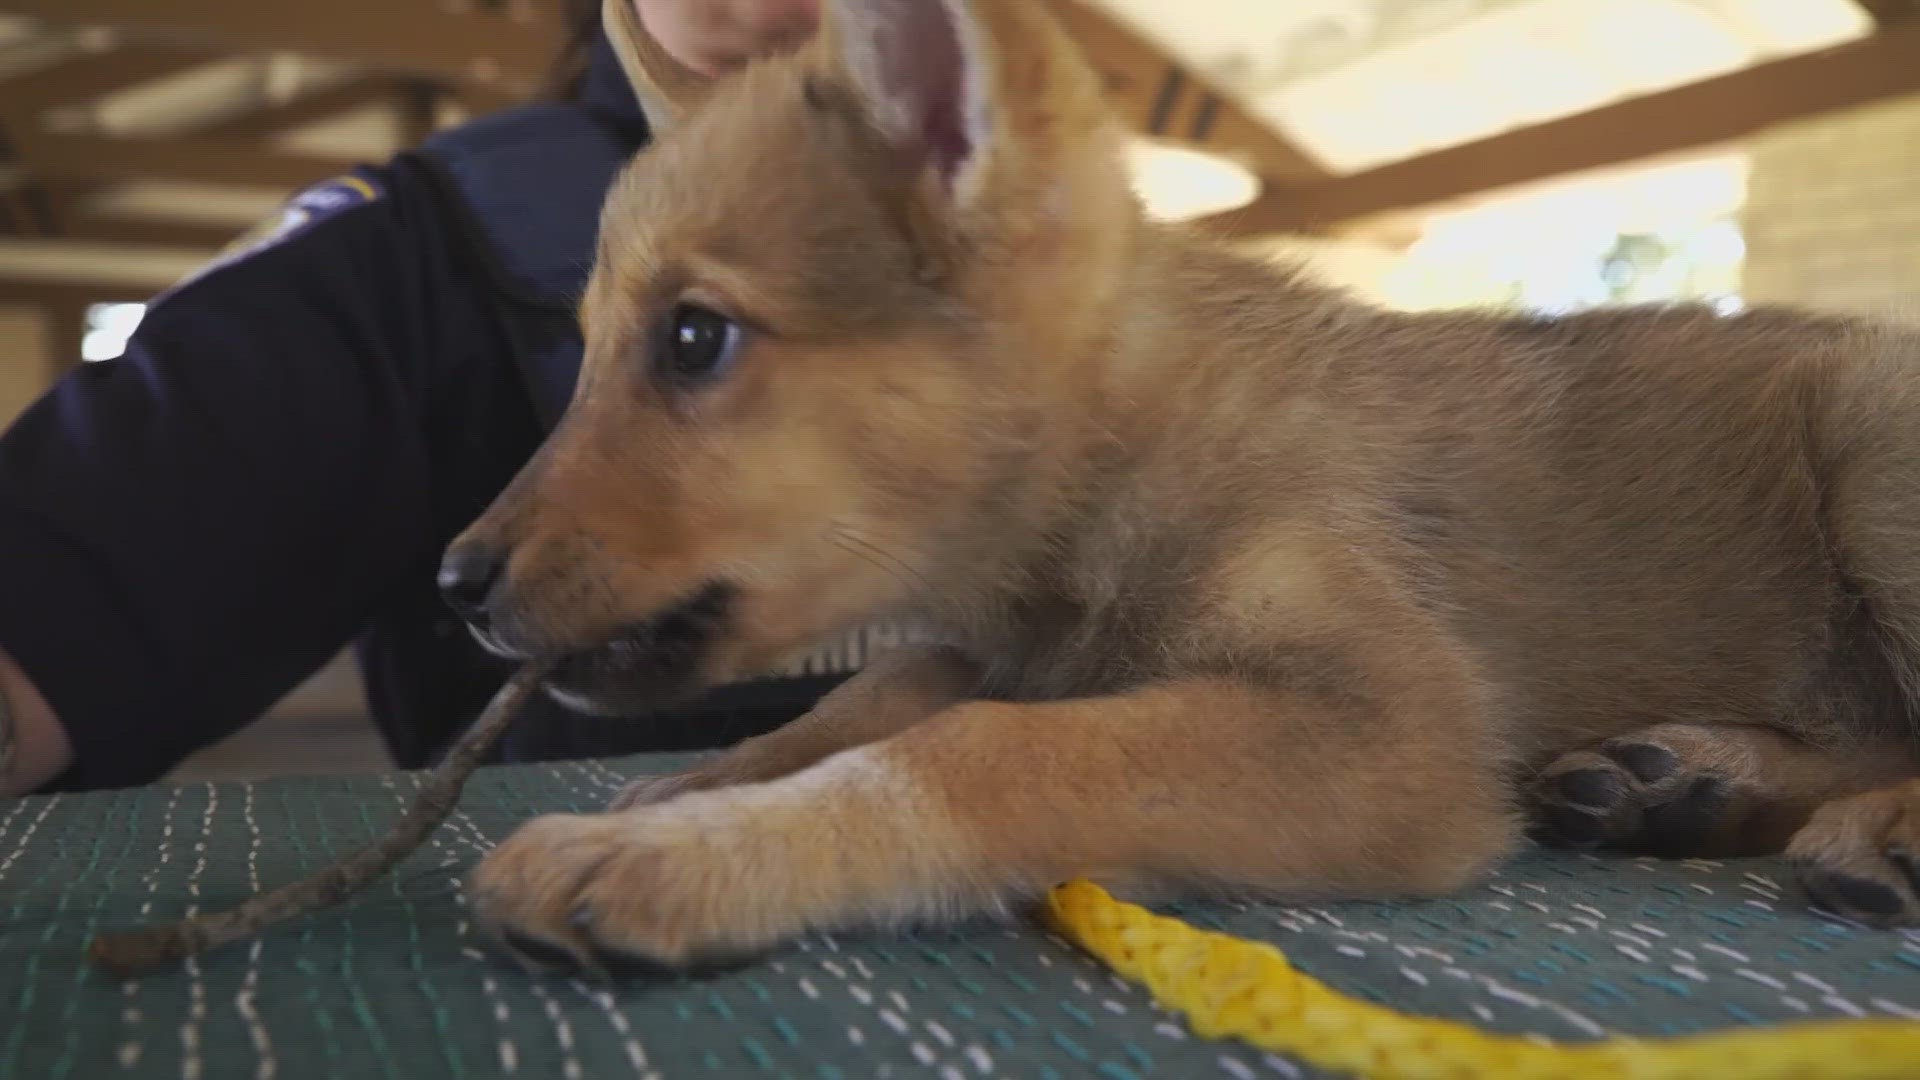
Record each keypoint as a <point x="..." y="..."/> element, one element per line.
<point x="68" y="303"/>
<point x="322" y="103"/>
<point x="52" y="157"/>
<point x="417" y="103"/>
<point x="1703" y="114"/>
<point x="1890" y="13"/>
<point x="20" y="291"/>
<point x="84" y="77"/>
<point x="131" y="270"/>
<point x="64" y="309"/>
<point x="72" y="220"/>
<point x="23" y="212"/>
<point x="417" y="36"/>
<point x="1162" y="98"/>
<point x="148" y="233"/>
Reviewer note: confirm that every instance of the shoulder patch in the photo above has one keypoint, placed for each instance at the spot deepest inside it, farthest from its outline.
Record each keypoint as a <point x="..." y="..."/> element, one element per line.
<point x="307" y="208"/>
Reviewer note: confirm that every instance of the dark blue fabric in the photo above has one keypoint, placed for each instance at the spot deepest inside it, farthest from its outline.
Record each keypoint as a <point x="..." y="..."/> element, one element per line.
<point x="528" y="184"/>
<point x="273" y="468"/>
<point x="189" y="530"/>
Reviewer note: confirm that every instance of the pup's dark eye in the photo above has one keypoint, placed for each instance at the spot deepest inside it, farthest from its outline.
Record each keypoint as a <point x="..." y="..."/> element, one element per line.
<point x="699" y="346"/>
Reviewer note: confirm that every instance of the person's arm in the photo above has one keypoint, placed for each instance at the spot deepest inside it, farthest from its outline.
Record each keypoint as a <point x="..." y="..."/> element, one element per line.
<point x="188" y="531"/>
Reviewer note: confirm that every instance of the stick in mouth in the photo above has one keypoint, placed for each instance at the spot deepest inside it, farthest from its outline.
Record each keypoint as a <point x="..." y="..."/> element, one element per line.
<point x="136" y="951"/>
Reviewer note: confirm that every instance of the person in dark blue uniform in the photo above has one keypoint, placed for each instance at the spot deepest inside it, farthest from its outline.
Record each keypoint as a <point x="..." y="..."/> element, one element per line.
<point x="272" y="469"/>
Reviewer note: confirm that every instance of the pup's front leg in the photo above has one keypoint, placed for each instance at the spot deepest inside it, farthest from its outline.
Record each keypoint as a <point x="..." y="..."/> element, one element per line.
<point x="1198" y="783"/>
<point x="896" y="689"/>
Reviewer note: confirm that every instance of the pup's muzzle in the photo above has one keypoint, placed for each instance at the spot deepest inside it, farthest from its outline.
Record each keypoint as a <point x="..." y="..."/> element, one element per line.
<point x="645" y="664"/>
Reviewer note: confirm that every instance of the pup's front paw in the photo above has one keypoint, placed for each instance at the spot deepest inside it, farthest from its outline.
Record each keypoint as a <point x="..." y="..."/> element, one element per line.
<point x="661" y="888"/>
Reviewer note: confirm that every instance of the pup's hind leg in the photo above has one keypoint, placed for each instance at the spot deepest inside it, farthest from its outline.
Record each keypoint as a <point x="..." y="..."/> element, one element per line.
<point x="896" y="689"/>
<point x="1857" y="852"/>
<point x="1860" y="856"/>
<point x="1701" y="790"/>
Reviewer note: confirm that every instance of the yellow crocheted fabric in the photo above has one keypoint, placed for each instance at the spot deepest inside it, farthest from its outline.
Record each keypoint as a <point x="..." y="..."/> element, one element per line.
<point x="1230" y="988"/>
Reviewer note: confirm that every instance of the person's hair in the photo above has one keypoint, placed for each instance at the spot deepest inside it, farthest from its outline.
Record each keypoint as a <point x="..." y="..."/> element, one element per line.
<point x="581" y="19"/>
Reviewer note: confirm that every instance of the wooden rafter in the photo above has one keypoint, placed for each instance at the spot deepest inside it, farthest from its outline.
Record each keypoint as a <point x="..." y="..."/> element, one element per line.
<point x="23" y="211"/>
<point x="1702" y="114"/>
<point x="42" y="292"/>
<point x="83" y="77"/>
<point x="78" y="80"/>
<point x="418" y="104"/>
<point x="1164" y="99"/>
<point x="417" y="51"/>
<point x="419" y="36"/>
<point x="143" y="233"/>
<point x="69" y="218"/>
<point x="52" y="156"/>
<point x="1890" y="13"/>
<point x="64" y="308"/>
<point x="322" y="103"/>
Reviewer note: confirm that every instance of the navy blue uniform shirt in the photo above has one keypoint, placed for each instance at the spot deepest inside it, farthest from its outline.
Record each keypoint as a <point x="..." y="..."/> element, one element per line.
<point x="272" y="470"/>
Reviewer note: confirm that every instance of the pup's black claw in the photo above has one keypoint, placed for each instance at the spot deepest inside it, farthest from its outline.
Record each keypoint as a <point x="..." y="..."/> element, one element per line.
<point x="1574" y="827"/>
<point x="541" y="953"/>
<point x="1645" y="761"/>
<point x="1902" y="858"/>
<point x="1856" y="896"/>
<point x="638" y="966"/>
<point x="634" y="966"/>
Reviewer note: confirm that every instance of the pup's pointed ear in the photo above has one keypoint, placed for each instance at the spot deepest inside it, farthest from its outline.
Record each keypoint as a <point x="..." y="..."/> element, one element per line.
<point x="667" y="89"/>
<point x="922" y="68"/>
<point x="991" y="98"/>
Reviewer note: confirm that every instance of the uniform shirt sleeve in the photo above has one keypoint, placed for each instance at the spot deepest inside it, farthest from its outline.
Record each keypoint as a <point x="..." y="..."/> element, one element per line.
<point x="188" y="531"/>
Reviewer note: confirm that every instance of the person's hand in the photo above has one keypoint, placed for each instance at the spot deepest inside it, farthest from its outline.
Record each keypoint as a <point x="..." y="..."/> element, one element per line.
<point x="711" y="36"/>
<point x="38" y="748"/>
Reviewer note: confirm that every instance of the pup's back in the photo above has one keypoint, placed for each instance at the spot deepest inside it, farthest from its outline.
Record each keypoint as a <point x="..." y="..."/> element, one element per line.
<point x="1631" y="515"/>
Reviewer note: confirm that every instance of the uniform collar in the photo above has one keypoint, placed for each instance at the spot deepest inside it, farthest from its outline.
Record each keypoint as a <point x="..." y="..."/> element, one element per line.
<point x="605" y="91"/>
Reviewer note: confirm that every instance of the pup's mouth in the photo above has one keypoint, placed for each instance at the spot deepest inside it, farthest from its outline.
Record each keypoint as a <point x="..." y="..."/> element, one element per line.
<point x="647" y="665"/>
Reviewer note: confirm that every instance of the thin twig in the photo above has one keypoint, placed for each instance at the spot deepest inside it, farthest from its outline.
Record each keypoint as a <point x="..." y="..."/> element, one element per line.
<point x="140" y="950"/>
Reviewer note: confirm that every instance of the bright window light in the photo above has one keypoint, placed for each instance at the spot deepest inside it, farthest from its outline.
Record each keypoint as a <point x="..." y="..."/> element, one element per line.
<point x="1360" y="83"/>
<point x="1179" y="183"/>
<point x="108" y="328"/>
<point x="1642" y="235"/>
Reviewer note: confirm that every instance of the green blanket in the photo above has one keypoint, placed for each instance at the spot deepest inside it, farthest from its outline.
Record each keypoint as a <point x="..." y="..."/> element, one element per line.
<point x="395" y="985"/>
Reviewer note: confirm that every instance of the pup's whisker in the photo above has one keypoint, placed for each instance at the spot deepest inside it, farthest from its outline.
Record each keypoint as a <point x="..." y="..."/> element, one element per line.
<point x="872" y="552"/>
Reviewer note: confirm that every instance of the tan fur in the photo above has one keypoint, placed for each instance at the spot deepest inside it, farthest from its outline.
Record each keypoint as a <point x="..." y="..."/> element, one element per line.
<point x="896" y="690"/>
<point x="1265" y="588"/>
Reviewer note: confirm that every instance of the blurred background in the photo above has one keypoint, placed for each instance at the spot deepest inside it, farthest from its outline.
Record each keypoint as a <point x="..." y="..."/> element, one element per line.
<point x="1526" y="154"/>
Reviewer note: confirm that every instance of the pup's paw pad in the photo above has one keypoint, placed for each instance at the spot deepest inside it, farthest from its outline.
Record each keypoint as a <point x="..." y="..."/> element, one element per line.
<point x="1630" y="793"/>
<point x="1856" y="856"/>
<point x="1649" y="763"/>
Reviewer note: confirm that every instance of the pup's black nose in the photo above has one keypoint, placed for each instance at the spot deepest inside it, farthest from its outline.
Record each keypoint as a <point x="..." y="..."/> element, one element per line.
<point x="466" y="579"/>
